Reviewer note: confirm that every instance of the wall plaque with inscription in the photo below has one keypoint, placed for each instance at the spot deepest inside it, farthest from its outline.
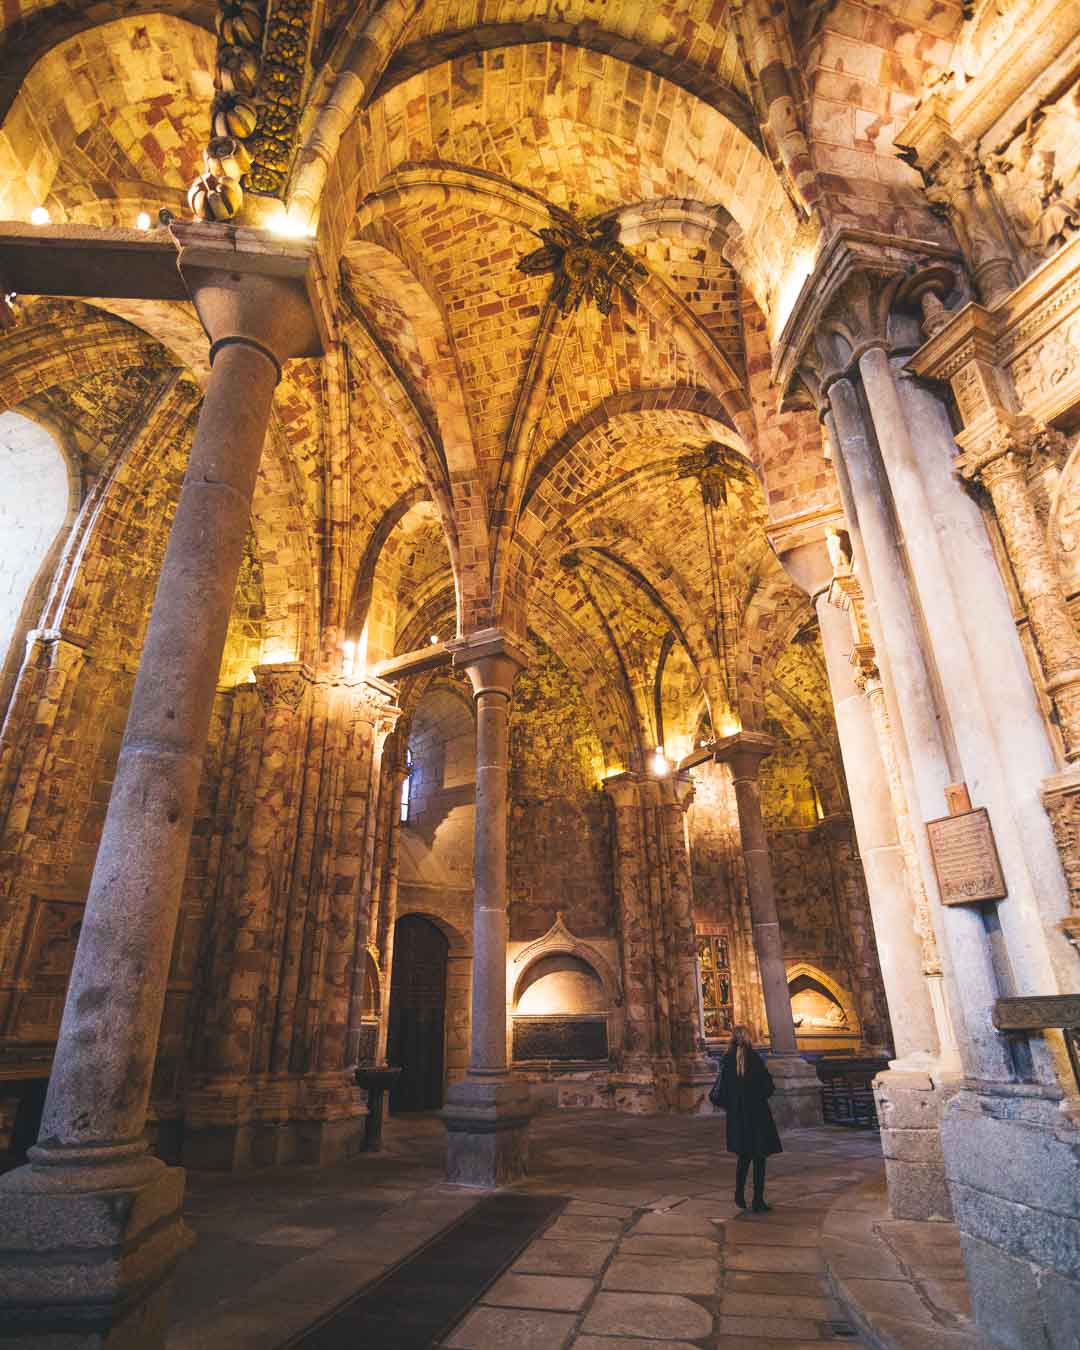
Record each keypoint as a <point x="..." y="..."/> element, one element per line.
<point x="965" y="858"/>
<point x="560" y="1038"/>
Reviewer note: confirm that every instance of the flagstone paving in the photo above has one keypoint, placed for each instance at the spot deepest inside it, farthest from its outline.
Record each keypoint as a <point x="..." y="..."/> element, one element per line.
<point x="641" y="1247"/>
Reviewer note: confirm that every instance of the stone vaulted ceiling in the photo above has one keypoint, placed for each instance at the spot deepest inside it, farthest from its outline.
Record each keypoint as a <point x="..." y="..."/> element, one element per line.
<point x="476" y="449"/>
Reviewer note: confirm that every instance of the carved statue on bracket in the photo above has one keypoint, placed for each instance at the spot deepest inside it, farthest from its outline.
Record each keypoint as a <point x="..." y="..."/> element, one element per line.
<point x="1037" y="177"/>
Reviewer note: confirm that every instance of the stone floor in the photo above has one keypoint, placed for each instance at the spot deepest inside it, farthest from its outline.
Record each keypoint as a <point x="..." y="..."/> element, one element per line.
<point x="642" y="1247"/>
<point x="903" y="1283"/>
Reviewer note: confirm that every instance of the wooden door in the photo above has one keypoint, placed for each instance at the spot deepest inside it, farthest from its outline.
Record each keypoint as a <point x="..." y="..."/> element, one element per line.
<point x="417" y="1014"/>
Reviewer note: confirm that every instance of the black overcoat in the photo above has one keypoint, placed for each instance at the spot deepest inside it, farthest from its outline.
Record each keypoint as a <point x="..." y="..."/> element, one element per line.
<point x="751" y="1129"/>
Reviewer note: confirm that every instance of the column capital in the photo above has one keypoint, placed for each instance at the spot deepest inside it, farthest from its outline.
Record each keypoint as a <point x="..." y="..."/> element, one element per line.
<point x="846" y="302"/>
<point x="744" y="751"/>
<point x="1008" y="449"/>
<point x="676" y="790"/>
<point x="282" y="684"/>
<point x="623" y="789"/>
<point x="249" y="287"/>
<point x="491" y="660"/>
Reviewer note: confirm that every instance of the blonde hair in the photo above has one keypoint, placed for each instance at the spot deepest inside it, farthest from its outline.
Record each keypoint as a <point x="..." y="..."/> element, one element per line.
<point x="740" y="1043"/>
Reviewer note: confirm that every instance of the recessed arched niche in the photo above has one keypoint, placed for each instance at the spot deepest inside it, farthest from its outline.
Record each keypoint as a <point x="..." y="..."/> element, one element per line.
<point x="561" y="983"/>
<point x="822" y="1010"/>
<point x="563" y="996"/>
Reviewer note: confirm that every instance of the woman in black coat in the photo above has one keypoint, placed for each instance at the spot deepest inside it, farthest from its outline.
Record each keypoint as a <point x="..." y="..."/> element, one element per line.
<point x="744" y="1088"/>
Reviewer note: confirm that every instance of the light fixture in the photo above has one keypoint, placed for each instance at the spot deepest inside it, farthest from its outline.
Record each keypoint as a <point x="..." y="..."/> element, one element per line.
<point x="434" y="638"/>
<point x="39" y="215"/>
<point x="288" y="226"/>
<point x="660" y="764"/>
<point x="142" y="221"/>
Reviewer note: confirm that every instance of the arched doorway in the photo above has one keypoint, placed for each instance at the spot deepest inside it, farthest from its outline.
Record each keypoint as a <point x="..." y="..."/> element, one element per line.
<point x="418" y="1014"/>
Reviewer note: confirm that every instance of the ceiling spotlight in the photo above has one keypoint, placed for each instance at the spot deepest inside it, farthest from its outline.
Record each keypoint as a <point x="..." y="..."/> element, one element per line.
<point x="288" y="226"/>
<point x="142" y="221"/>
<point x="39" y="215"/>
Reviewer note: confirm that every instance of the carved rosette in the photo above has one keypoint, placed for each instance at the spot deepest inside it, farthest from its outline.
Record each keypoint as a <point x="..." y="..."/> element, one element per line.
<point x="1002" y="468"/>
<point x="587" y="262"/>
<point x="285" y="58"/>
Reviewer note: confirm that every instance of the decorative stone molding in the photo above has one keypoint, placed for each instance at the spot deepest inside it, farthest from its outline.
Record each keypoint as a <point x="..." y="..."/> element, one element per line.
<point x="282" y="81"/>
<point x="1024" y="353"/>
<point x="263" y="56"/>
<point x="560" y="941"/>
<point x="1061" y="797"/>
<point x="957" y="182"/>
<point x="217" y="194"/>
<point x="845" y="303"/>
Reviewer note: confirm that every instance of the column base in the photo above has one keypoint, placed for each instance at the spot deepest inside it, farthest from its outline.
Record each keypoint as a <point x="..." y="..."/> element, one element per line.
<point x="1012" y="1156"/>
<point x="272" y="1122"/>
<point x="89" y="1269"/>
<point x="910" y="1100"/>
<point x="796" y="1104"/>
<point x="487" y="1131"/>
<point x="696" y="1075"/>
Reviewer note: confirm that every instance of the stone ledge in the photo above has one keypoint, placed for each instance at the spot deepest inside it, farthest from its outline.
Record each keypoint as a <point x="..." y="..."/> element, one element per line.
<point x="901" y="1282"/>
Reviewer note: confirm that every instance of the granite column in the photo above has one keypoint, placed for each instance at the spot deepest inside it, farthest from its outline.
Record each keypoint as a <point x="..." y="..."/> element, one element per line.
<point x="798" y="1099"/>
<point x="487" y="1114"/>
<point x="92" y="1224"/>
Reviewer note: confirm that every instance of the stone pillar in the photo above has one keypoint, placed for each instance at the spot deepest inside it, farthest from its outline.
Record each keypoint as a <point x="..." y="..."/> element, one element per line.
<point x="657" y="883"/>
<point x="92" y="1224"/>
<point x="286" y="1041"/>
<point x="695" y="1072"/>
<point x="388" y="903"/>
<point x="933" y="757"/>
<point x="798" y="1097"/>
<point x="487" y="1114"/>
<point x="911" y="1094"/>
<point x="333" y="1112"/>
<point x="634" y="1083"/>
<point x="219" y="1113"/>
<point x="985" y="679"/>
<point x="891" y="888"/>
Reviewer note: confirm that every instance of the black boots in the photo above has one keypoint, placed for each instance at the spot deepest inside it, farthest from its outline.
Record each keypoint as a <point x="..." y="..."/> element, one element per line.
<point x="760" y="1207"/>
<point x="741" y="1169"/>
